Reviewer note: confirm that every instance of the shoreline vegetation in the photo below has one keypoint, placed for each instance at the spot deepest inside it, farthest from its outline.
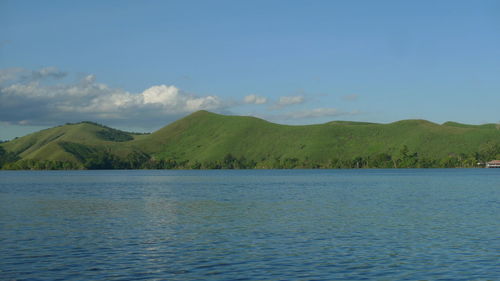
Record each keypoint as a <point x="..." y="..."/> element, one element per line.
<point x="205" y="140"/>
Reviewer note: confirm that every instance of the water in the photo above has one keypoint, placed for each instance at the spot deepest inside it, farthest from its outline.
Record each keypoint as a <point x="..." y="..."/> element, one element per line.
<point x="250" y="225"/>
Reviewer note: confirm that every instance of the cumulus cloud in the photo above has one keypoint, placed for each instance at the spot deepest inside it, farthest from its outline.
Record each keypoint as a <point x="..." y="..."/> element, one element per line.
<point x="30" y="101"/>
<point x="45" y="97"/>
<point x="351" y="97"/>
<point x="46" y="72"/>
<point x="254" y="99"/>
<point x="289" y="100"/>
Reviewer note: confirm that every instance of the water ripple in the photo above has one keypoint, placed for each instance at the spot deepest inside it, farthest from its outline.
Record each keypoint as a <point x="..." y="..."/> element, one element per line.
<point x="250" y="225"/>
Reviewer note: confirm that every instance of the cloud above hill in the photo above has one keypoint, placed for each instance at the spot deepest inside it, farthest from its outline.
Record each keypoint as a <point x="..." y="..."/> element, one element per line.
<point x="290" y="100"/>
<point x="255" y="99"/>
<point x="49" y="96"/>
<point x="38" y="98"/>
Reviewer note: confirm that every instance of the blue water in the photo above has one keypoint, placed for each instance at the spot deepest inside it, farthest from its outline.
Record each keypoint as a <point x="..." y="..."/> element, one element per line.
<point x="250" y="225"/>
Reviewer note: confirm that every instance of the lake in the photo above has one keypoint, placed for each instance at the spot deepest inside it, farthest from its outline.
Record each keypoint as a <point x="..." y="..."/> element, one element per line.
<point x="413" y="224"/>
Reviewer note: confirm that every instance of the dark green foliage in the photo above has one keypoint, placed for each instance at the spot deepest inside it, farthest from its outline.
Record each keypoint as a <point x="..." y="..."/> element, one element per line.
<point x="407" y="159"/>
<point x="403" y="158"/>
<point x="102" y="161"/>
<point x="107" y="160"/>
<point x="99" y="159"/>
<point x="231" y="162"/>
<point x="80" y="151"/>
<point x="7" y="157"/>
<point x="114" y="135"/>
<point x="136" y="160"/>
<point x="489" y="151"/>
<point x="93" y="158"/>
<point x="228" y="162"/>
<point x="290" y="163"/>
<point x="211" y="165"/>
<point x="196" y="165"/>
<point x="381" y="160"/>
<point x="165" y="164"/>
<point x="31" y="164"/>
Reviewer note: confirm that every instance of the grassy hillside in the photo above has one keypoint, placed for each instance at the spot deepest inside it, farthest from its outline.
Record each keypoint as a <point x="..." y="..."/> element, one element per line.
<point x="207" y="136"/>
<point x="204" y="137"/>
<point x="70" y="143"/>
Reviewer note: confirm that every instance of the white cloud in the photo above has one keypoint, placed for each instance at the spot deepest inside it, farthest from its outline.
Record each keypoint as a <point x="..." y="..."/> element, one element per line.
<point x="46" y="72"/>
<point x="9" y="74"/>
<point x="40" y="97"/>
<point x="33" y="102"/>
<point x="289" y="100"/>
<point x="254" y="99"/>
<point x="165" y="95"/>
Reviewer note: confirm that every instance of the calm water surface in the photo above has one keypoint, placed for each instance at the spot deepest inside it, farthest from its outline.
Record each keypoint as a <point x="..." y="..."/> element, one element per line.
<point x="250" y="225"/>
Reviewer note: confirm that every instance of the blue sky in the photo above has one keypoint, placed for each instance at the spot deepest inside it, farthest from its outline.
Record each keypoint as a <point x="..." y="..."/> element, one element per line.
<point x="141" y="64"/>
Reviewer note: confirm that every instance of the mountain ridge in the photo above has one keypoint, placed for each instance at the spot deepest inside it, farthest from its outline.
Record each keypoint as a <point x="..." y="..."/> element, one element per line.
<point x="204" y="139"/>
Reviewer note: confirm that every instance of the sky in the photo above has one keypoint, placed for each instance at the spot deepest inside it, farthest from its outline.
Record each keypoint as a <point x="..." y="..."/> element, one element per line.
<point x="139" y="65"/>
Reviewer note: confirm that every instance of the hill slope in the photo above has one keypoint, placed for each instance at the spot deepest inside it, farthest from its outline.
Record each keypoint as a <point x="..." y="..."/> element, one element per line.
<point x="205" y="136"/>
<point x="209" y="138"/>
<point x="70" y="143"/>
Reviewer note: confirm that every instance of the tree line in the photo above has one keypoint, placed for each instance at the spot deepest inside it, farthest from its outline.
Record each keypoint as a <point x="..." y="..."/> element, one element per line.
<point x="403" y="158"/>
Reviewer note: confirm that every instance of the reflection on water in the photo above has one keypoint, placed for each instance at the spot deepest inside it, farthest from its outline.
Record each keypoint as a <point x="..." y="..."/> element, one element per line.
<point x="260" y="225"/>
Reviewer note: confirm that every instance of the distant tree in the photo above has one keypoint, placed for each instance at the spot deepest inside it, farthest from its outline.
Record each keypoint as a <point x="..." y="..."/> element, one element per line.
<point x="196" y="165"/>
<point x="427" y="163"/>
<point x="489" y="151"/>
<point x="136" y="160"/>
<point x="104" y="160"/>
<point x="380" y="160"/>
<point x="212" y="165"/>
<point x="228" y="162"/>
<point x="449" y="162"/>
<point x="290" y="163"/>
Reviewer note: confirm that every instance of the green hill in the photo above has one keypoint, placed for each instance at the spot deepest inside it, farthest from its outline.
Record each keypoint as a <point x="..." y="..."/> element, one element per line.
<point x="72" y="143"/>
<point x="209" y="140"/>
